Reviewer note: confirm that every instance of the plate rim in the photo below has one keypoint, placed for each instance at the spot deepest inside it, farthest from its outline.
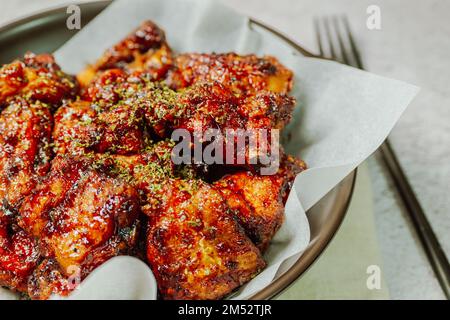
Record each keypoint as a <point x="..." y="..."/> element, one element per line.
<point x="345" y="188"/>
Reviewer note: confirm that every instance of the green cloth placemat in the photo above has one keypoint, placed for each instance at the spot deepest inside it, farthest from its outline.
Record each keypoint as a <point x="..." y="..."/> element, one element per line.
<point x="341" y="271"/>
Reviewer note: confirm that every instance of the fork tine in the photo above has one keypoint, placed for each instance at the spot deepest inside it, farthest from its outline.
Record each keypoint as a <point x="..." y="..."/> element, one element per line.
<point x="352" y="43"/>
<point x="318" y="37"/>
<point x="330" y="38"/>
<point x="342" y="50"/>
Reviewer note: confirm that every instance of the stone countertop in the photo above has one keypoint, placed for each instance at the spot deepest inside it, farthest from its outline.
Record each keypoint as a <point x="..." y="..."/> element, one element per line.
<point x="413" y="45"/>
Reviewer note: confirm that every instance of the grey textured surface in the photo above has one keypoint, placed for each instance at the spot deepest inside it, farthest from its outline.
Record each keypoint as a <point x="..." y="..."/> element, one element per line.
<point x="407" y="272"/>
<point x="413" y="45"/>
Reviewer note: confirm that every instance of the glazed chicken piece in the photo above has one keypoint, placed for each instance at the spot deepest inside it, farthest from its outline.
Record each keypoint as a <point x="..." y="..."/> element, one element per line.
<point x="154" y="109"/>
<point x="244" y="75"/>
<point x="19" y="255"/>
<point x="148" y="171"/>
<point x="82" y="217"/>
<point x="194" y="246"/>
<point x="109" y="117"/>
<point x="213" y="105"/>
<point x="25" y="136"/>
<point x="35" y="77"/>
<point x="25" y="133"/>
<point x="257" y="202"/>
<point x="206" y="105"/>
<point x="47" y="279"/>
<point x="144" y="49"/>
<point x="29" y="90"/>
<point x="81" y="127"/>
<point x="150" y="101"/>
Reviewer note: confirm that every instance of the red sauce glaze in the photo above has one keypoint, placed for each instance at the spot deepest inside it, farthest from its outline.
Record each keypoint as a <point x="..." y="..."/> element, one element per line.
<point x="195" y="248"/>
<point x="82" y="216"/>
<point x="257" y="202"/>
<point x="36" y="77"/>
<point x="243" y="74"/>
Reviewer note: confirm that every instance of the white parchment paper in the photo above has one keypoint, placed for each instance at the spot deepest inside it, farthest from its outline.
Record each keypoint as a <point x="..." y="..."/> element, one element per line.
<point x="343" y="114"/>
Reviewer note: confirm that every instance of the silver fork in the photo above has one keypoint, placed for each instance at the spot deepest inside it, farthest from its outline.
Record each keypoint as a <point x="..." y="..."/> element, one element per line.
<point x="336" y="34"/>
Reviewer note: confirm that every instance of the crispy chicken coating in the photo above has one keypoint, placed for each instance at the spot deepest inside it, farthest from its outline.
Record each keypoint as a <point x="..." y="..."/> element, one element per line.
<point x="213" y="105"/>
<point x="144" y="49"/>
<point x="257" y="201"/>
<point x="146" y="171"/>
<point x="149" y="171"/>
<point x="245" y="75"/>
<point x="29" y="90"/>
<point x="194" y="245"/>
<point x="150" y="101"/>
<point x="195" y="248"/>
<point x="81" y="215"/>
<point x="19" y="255"/>
<point x="25" y="137"/>
<point x="81" y="126"/>
<point x="119" y="111"/>
<point x="36" y="77"/>
<point x="207" y="105"/>
<point x="47" y="280"/>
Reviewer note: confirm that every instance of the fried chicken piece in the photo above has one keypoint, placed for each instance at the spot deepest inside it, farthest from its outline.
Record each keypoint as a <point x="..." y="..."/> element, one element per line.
<point x="81" y="215"/>
<point x="161" y="110"/>
<point x="103" y="121"/>
<point x="149" y="171"/>
<point x="207" y="105"/>
<point x="144" y="49"/>
<point x="25" y="130"/>
<point x="195" y="248"/>
<point x="81" y="127"/>
<point x="213" y="105"/>
<point x="150" y="101"/>
<point x="36" y="77"/>
<point x="18" y="256"/>
<point x="244" y="127"/>
<point x="28" y="91"/>
<point x="47" y="280"/>
<point x="257" y="201"/>
<point x="244" y="75"/>
<point x="25" y="136"/>
<point x="74" y="131"/>
<point x="146" y="171"/>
